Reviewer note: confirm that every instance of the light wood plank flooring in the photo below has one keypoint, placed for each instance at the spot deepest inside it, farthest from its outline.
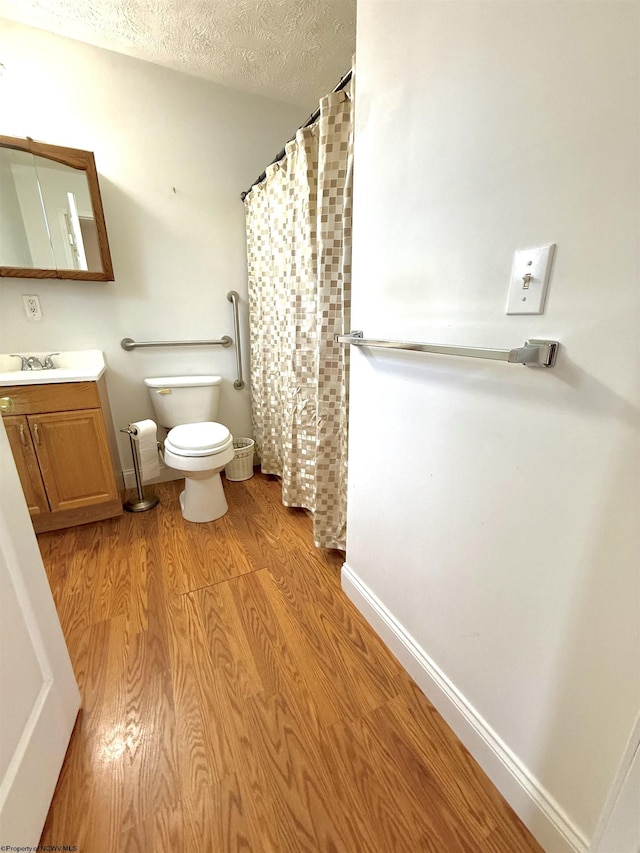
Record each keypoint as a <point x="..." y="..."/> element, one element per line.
<point x="234" y="699"/>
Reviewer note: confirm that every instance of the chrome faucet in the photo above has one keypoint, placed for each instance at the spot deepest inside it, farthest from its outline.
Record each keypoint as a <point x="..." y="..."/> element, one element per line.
<point x="33" y="363"/>
<point x="23" y="359"/>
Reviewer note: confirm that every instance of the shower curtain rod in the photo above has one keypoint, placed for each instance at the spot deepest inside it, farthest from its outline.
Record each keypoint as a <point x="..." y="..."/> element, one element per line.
<point x="312" y="118"/>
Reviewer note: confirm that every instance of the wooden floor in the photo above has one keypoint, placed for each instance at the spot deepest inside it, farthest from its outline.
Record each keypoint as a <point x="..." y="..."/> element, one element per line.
<point x="234" y="699"/>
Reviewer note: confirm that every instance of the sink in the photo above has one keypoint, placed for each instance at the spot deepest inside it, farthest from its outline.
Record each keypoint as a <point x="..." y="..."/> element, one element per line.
<point x="74" y="366"/>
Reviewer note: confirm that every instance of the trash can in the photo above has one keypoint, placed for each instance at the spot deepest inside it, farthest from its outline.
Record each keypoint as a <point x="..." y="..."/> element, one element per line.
<point x="241" y="466"/>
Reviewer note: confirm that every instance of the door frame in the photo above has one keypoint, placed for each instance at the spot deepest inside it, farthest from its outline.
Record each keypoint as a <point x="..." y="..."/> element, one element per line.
<point x="620" y="808"/>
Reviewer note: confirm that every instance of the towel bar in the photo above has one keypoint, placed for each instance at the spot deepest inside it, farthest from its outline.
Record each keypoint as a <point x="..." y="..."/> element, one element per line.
<point x="535" y="352"/>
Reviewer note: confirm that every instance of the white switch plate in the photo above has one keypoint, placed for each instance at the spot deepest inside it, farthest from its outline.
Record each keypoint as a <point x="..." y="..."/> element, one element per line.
<point x="527" y="296"/>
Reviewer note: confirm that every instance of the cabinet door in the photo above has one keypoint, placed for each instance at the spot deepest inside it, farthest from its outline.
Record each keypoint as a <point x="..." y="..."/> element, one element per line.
<point x="74" y="458"/>
<point x="26" y="463"/>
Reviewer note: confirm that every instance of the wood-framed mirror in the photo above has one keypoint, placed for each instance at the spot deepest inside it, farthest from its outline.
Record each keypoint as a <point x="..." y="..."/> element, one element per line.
<point x="51" y="218"/>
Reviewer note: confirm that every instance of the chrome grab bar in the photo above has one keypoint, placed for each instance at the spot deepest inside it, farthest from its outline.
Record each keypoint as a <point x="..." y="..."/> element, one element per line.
<point x="129" y="344"/>
<point x="225" y="341"/>
<point x="535" y="352"/>
<point x="234" y="299"/>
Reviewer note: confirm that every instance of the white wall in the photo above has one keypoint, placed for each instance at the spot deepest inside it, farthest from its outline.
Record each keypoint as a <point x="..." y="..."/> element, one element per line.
<point x="173" y="154"/>
<point x="493" y="508"/>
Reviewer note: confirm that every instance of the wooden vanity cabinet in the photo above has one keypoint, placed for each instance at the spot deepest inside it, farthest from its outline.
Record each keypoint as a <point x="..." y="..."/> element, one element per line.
<point x="24" y="455"/>
<point x="61" y="446"/>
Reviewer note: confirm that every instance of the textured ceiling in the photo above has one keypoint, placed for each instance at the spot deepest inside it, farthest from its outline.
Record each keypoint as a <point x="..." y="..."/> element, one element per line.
<point x="292" y="50"/>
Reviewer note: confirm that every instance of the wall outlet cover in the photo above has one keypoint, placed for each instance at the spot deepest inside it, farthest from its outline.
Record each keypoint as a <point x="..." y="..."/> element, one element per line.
<point x="32" y="306"/>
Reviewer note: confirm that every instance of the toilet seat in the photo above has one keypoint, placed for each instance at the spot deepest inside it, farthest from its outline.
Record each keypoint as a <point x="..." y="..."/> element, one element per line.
<point x="200" y="439"/>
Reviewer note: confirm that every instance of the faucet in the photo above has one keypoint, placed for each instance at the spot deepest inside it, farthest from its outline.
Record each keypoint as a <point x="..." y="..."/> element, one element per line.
<point x="24" y="363"/>
<point x="33" y="363"/>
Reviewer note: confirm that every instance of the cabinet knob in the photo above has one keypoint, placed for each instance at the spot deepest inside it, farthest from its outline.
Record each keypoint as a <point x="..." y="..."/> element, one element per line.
<point x="6" y="405"/>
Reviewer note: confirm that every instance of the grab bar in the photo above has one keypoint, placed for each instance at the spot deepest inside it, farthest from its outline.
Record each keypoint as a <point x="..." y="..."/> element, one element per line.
<point x="534" y="353"/>
<point x="129" y="344"/>
<point x="234" y="299"/>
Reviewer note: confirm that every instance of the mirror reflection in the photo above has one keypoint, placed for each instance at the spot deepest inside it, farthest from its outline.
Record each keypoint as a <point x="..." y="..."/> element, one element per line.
<point x="51" y="221"/>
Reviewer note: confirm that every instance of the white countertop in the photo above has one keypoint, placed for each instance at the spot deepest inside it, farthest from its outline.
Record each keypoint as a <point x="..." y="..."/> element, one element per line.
<point x="70" y="366"/>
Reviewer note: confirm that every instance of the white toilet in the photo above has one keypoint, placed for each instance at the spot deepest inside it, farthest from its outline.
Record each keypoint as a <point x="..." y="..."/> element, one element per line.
<point x="196" y="445"/>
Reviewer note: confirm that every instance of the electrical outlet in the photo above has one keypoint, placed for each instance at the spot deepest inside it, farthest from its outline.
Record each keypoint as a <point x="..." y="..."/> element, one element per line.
<point x="32" y="307"/>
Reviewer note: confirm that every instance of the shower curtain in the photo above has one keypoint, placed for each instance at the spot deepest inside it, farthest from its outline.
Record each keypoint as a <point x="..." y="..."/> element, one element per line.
<point x="299" y="265"/>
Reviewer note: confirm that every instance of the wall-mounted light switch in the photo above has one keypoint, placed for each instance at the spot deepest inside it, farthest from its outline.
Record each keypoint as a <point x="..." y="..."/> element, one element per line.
<point x="32" y="307"/>
<point x="529" y="280"/>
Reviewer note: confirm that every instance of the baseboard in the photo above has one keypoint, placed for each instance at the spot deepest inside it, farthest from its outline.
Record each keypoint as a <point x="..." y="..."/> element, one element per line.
<point x="535" y="807"/>
<point x="166" y="474"/>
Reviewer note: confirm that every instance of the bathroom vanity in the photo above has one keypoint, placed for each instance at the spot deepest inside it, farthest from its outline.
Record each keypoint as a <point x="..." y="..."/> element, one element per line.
<point x="63" y="442"/>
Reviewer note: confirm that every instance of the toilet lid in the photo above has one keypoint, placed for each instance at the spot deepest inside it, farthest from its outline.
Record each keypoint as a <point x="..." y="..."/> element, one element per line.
<point x="198" y="439"/>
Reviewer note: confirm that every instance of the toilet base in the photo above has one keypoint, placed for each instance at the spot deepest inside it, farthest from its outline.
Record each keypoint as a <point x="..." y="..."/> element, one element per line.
<point x="203" y="499"/>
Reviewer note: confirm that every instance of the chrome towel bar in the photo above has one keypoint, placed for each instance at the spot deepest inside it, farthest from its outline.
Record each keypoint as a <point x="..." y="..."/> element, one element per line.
<point x="129" y="343"/>
<point x="534" y="353"/>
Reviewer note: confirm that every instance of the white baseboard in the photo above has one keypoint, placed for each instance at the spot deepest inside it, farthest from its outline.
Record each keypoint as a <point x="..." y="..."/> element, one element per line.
<point x="166" y="474"/>
<point x="535" y="807"/>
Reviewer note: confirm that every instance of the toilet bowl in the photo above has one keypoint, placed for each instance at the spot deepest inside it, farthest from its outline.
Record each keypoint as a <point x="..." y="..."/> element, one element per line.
<point x="196" y="446"/>
<point x="200" y="451"/>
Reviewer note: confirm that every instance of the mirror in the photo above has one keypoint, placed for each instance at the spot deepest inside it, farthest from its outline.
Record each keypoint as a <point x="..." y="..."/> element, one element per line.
<point x="51" y="218"/>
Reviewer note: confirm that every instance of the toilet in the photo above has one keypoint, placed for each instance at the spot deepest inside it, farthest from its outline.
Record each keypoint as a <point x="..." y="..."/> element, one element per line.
<point x="196" y="445"/>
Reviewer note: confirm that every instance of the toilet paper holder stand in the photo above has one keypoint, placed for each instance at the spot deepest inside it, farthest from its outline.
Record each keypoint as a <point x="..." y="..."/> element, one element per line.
<point x="145" y="500"/>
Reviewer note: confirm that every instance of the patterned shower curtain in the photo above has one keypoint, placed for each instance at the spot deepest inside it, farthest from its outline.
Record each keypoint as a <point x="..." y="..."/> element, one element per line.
<point x="299" y="264"/>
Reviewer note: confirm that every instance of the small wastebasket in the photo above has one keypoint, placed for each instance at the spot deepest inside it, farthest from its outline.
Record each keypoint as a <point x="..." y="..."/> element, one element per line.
<point x="241" y="466"/>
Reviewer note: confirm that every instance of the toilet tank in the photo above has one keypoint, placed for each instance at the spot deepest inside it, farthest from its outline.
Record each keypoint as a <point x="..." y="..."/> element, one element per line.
<point x="184" y="399"/>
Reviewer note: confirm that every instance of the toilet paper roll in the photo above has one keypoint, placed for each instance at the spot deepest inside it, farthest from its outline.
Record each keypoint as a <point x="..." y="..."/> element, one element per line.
<point x="145" y="434"/>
